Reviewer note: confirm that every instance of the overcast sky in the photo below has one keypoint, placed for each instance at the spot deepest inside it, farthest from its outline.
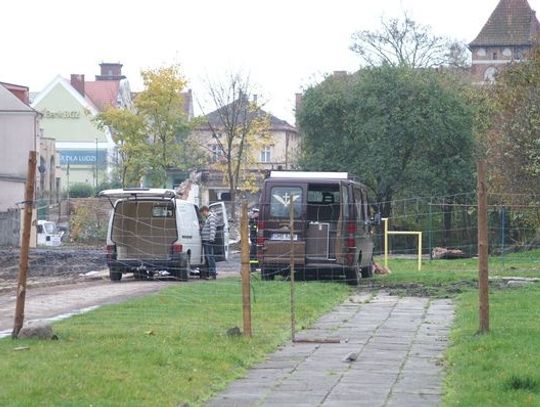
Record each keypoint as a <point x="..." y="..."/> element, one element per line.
<point x="284" y="46"/>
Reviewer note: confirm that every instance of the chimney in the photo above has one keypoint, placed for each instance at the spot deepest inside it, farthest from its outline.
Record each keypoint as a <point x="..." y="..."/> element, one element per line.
<point x="77" y="81"/>
<point x="110" y="71"/>
<point x="255" y="99"/>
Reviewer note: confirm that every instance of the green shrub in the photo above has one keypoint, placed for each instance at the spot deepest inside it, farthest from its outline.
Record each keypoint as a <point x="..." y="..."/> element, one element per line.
<point x="81" y="190"/>
<point x="85" y="225"/>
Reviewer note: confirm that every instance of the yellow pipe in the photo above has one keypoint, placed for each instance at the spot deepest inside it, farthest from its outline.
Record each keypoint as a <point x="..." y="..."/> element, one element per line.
<point x="419" y="251"/>
<point x="398" y="232"/>
<point x="385" y="220"/>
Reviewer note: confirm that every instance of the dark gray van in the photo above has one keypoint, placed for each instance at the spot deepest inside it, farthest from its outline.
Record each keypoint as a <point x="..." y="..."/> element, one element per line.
<point x="332" y="234"/>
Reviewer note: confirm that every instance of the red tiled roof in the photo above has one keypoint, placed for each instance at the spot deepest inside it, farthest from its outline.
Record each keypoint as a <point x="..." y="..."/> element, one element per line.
<point x="513" y="22"/>
<point x="20" y="91"/>
<point x="102" y="94"/>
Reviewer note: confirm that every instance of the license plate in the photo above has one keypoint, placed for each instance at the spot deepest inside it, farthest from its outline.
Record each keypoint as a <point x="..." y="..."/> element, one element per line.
<point x="283" y="236"/>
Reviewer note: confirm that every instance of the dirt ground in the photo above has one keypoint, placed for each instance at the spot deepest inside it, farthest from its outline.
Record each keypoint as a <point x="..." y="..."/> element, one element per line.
<point x="53" y="262"/>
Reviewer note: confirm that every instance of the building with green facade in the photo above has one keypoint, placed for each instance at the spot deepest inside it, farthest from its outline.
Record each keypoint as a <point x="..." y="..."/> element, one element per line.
<point x="69" y="107"/>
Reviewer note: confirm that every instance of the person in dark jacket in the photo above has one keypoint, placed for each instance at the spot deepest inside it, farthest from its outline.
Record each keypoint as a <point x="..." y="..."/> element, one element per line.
<point x="208" y="234"/>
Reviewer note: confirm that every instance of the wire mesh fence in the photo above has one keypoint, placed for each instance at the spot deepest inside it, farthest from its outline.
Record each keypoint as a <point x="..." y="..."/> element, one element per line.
<point x="331" y="241"/>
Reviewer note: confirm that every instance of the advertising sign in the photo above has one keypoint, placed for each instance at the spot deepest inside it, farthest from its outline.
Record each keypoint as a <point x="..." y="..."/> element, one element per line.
<point x="83" y="157"/>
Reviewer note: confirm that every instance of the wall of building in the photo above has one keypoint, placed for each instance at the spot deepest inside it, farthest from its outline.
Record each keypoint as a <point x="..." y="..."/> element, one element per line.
<point x="487" y="60"/>
<point x="81" y="146"/>
<point x="10" y="225"/>
<point x="47" y="171"/>
<point x="284" y="148"/>
<point x="17" y="133"/>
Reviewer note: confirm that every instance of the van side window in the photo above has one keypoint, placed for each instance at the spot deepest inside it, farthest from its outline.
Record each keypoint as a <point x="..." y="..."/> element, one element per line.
<point x="359" y="204"/>
<point x="366" y="206"/>
<point x="346" y="202"/>
<point x="280" y="198"/>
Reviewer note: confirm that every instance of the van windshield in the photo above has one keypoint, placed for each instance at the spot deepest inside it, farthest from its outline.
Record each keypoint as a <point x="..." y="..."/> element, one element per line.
<point x="50" y="228"/>
<point x="280" y="201"/>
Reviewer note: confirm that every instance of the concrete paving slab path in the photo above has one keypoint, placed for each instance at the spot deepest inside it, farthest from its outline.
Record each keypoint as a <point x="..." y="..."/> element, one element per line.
<point x="389" y="355"/>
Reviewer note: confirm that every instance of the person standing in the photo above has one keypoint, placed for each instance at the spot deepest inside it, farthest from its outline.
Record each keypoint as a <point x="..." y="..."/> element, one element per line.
<point x="208" y="235"/>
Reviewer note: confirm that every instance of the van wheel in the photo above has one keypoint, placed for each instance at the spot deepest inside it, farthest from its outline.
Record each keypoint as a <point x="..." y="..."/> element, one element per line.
<point x="367" y="272"/>
<point x="115" y="275"/>
<point x="267" y="274"/>
<point x="352" y="275"/>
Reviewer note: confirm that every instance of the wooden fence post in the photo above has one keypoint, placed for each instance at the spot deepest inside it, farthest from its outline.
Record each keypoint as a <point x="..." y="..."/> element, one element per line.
<point x="291" y="267"/>
<point x="246" y="274"/>
<point x="25" y="244"/>
<point x="483" y="272"/>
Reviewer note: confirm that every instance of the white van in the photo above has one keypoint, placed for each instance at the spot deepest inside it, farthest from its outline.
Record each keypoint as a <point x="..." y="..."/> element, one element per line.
<point x="152" y="230"/>
<point x="48" y="234"/>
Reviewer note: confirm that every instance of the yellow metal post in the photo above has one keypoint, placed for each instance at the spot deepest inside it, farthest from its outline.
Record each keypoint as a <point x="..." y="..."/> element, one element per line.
<point x="386" y="233"/>
<point x="419" y="251"/>
<point x="385" y="220"/>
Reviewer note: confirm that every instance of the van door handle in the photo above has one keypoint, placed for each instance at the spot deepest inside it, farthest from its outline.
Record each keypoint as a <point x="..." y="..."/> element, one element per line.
<point x="186" y="236"/>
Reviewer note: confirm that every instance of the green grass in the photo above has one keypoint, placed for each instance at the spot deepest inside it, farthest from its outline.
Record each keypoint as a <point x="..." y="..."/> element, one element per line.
<point x="163" y="350"/>
<point x="500" y="368"/>
<point x="447" y="278"/>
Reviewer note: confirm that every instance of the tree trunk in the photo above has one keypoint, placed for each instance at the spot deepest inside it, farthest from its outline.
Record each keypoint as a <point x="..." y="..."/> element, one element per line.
<point x="232" y="194"/>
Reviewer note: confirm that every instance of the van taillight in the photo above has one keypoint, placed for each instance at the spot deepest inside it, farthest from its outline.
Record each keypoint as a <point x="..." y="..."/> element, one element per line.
<point x="351" y="228"/>
<point x="177" y="248"/>
<point x="111" y="251"/>
<point x="261" y="225"/>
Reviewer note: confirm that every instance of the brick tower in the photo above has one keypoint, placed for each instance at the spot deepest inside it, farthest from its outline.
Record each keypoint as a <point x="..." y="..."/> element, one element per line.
<point x="509" y="34"/>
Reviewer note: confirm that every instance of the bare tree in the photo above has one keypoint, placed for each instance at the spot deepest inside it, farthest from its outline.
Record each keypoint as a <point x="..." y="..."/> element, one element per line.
<point x="238" y="125"/>
<point x="403" y="42"/>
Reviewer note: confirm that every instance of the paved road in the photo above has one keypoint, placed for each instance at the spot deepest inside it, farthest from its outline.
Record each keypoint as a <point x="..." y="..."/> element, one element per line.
<point x="52" y="302"/>
<point x="397" y="343"/>
<point x="61" y="300"/>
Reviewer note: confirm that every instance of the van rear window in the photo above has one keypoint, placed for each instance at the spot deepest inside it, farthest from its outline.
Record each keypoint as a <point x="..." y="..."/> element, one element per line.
<point x="162" y="211"/>
<point x="280" y="201"/>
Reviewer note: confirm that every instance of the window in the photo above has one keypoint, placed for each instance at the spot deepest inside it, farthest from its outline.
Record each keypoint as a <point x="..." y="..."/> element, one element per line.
<point x="322" y="197"/>
<point x="162" y="211"/>
<point x="494" y="55"/>
<point x="359" y="205"/>
<point x="265" y="154"/>
<point x="50" y="228"/>
<point x="280" y="200"/>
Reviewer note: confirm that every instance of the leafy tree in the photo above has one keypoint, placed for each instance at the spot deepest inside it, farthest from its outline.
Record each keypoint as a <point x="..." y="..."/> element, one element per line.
<point x="239" y="127"/>
<point x="508" y="131"/>
<point x="512" y="141"/>
<point x="401" y="130"/>
<point x="129" y="134"/>
<point x="161" y="106"/>
<point x="403" y="42"/>
<point x="153" y="137"/>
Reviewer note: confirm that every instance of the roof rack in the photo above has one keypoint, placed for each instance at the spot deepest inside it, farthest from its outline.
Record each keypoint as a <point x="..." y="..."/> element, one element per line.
<point x="311" y="174"/>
